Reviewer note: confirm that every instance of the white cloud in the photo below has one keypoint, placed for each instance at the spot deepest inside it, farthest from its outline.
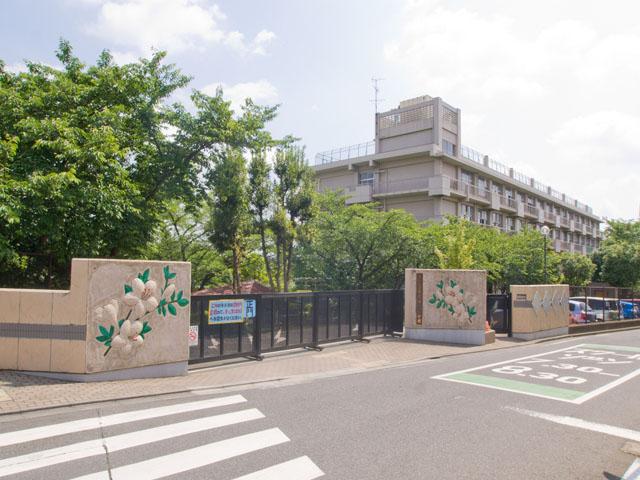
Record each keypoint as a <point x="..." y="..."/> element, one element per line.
<point x="174" y="25"/>
<point x="545" y="95"/>
<point x="261" y="91"/>
<point x="601" y="150"/>
<point x="122" y="58"/>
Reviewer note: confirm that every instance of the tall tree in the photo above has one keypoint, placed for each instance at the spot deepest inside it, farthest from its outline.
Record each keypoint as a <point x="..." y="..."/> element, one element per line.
<point x="282" y="206"/>
<point x="576" y="269"/>
<point x="620" y="254"/>
<point x="230" y="223"/>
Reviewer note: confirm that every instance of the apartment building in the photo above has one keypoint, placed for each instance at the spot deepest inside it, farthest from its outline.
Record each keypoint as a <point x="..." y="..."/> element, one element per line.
<point x="417" y="162"/>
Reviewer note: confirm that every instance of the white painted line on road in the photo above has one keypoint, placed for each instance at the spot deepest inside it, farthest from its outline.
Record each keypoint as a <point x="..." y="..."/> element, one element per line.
<point x="38" y="433"/>
<point x="75" y="451"/>
<point x="442" y="376"/>
<point x="179" y="462"/>
<point x="633" y="472"/>
<point x="579" y="423"/>
<point x="607" y="387"/>
<point x="301" y="468"/>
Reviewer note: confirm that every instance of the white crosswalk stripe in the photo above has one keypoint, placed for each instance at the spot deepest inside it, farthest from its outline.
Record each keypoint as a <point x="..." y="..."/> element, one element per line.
<point x="195" y="457"/>
<point x="75" y="451"/>
<point x="301" y="468"/>
<point x="38" y="433"/>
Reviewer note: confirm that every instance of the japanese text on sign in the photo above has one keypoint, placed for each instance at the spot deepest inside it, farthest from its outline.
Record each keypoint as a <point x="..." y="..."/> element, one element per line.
<point x="231" y="311"/>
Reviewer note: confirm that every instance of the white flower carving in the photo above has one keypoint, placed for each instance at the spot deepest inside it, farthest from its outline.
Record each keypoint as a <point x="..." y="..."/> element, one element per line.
<point x="142" y="297"/>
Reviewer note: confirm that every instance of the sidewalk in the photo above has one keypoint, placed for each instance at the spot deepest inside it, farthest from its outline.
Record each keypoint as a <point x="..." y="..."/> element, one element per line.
<point x="21" y="393"/>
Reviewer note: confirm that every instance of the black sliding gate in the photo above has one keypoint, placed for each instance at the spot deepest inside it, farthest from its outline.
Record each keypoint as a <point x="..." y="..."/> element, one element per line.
<point x="278" y="321"/>
<point x="499" y="312"/>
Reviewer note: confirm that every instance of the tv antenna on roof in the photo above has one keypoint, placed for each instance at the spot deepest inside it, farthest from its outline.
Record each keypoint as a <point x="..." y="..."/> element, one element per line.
<point x="376" y="90"/>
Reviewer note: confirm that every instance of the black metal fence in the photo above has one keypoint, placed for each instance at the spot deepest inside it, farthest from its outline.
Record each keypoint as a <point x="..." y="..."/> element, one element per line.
<point x="278" y="321"/>
<point x="499" y="312"/>
<point x="606" y="303"/>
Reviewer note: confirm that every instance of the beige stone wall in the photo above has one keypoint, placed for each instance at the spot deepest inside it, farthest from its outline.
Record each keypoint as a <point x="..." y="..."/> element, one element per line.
<point x="429" y="305"/>
<point x="57" y="330"/>
<point x="166" y="342"/>
<point x="536" y="308"/>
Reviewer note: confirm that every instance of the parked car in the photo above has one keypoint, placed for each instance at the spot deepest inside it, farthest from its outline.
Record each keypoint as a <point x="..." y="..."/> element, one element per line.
<point x="629" y="309"/>
<point x="605" y="309"/>
<point x="579" y="312"/>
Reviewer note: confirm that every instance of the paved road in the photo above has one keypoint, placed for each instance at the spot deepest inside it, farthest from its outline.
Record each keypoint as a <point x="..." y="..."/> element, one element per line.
<point x="561" y="409"/>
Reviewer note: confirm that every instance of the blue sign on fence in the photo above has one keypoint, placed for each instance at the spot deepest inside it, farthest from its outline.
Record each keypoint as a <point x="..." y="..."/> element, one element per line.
<point x="249" y="308"/>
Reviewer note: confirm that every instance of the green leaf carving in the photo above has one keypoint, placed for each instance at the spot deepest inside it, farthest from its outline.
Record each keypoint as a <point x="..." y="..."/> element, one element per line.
<point x="104" y="331"/>
<point x="120" y="322"/>
<point x="127" y="288"/>
<point x="183" y="302"/>
<point x="172" y="308"/>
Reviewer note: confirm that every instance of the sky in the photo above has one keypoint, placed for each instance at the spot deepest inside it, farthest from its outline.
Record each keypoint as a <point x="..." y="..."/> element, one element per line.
<point x="550" y="88"/>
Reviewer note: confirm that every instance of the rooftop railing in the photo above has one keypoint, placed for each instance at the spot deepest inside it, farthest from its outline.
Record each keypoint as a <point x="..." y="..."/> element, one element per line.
<point x="346" y="153"/>
<point x="368" y="148"/>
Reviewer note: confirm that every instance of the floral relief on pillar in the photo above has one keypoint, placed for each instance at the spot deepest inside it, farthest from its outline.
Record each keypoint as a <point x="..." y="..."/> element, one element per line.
<point x="125" y="323"/>
<point x="451" y="297"/>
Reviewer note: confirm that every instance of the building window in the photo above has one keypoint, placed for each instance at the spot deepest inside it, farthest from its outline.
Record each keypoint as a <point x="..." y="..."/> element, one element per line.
<point x="466" y="177"/>
<point x="483" y="217"/>
<point x="449" y="148"/>
<point x="365" y="178"/>
<point x="482" y="184"/>
<point x="510" y="224"/>
<point x="496" y="219"/>
<point x="466" y="211"/>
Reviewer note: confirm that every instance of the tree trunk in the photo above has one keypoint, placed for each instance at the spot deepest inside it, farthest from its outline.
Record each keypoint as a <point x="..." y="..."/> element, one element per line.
<point x="267" y="263"/>
<point x="236" y="270"/>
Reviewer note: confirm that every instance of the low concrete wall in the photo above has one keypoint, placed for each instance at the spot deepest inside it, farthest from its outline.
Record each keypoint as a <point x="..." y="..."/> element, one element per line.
<point x="539" y="311"/>
<point x="118" y="315"/>
<point x="445" y="305"/>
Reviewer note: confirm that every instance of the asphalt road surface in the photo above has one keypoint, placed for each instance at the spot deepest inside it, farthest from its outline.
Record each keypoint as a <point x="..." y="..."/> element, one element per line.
<point x="564" y="409"/>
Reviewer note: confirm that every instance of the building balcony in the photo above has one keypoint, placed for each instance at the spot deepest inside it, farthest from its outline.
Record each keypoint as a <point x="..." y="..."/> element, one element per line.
<point x="359" y="194"/>
<point x="531" y="211"/>
<point x="479" y="194"/>
<point x="507" y="203"/>
<point x="401" y="186"/>
<point x="549" y="217"/>
<point x="564" y="222"/>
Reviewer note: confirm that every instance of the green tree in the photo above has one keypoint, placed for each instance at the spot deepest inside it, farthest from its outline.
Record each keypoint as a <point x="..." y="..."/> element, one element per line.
<point x="230" y="222"/>
<point x="89" y="156"/>
<point x="576" y="269"/>
<point x="359" y="247"/>
<point x="282" y="205"/>
<point x="523" y="260"/>
<point x="457" y="251"/>
<point x="620" y="254"/>
<point x="182" y="237"/>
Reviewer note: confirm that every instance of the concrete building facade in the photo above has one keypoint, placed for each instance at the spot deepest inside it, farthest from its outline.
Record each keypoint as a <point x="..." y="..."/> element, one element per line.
<point x="418" y="163"/>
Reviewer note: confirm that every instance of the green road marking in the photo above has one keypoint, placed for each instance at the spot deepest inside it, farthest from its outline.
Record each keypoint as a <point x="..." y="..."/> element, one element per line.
<point x="516" y="386"/>
<point x="610" y="347"/>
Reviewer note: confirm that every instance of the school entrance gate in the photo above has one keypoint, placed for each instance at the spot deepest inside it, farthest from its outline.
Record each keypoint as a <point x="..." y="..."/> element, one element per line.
<point x="225" y="326"/>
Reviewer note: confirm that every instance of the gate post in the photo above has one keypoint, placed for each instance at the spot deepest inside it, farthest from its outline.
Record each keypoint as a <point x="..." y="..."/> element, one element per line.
<point x="202" y="325"/>
<point x="257" y="330"/>
<point x="509" y="312"/>
<point x="314" y="320"/>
